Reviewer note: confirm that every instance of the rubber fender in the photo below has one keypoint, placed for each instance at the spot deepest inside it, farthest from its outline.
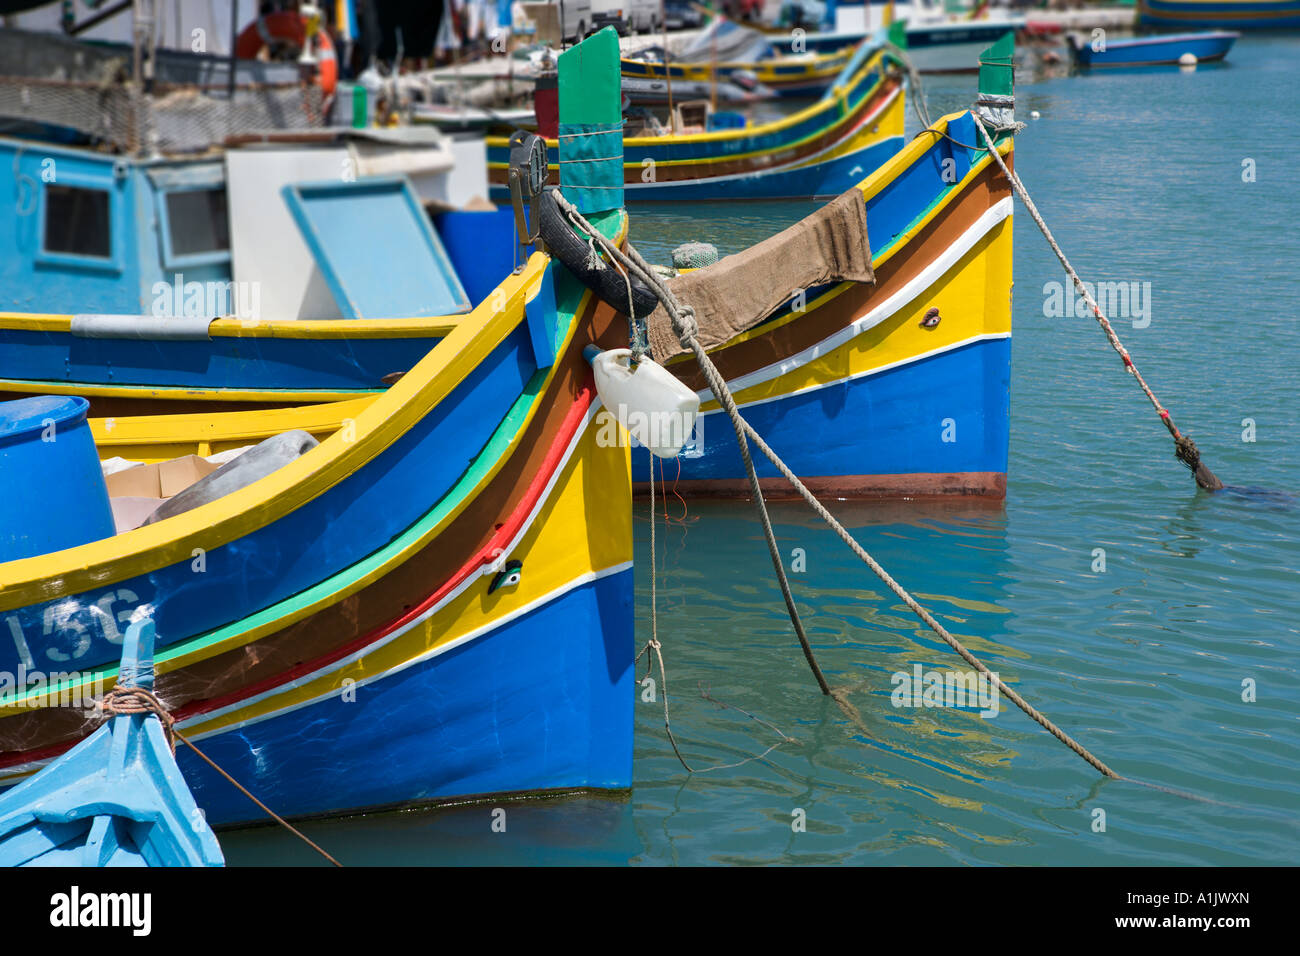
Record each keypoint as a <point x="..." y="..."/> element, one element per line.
<point x="567" y="246"/>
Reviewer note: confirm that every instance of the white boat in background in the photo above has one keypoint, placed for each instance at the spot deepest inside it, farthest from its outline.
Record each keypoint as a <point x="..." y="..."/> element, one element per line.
<point x="937" y="41"/>
<point x="942" y="42"/>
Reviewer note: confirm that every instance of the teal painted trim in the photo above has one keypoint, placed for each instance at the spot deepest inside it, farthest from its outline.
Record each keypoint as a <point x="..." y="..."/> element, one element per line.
<point x="591" y="165"/>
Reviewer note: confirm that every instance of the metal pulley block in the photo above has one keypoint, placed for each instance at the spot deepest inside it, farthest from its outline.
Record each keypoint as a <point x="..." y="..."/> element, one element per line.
<point x="527" y="174"/>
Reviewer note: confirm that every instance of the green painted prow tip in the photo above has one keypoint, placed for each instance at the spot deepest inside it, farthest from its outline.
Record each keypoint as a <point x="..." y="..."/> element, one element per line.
<point x="591" y="85"/>
<point x="997" y="70"/>
<point x="897" y="34"/>
<point x="591" y="123"/>
<point x="996" y="105"/>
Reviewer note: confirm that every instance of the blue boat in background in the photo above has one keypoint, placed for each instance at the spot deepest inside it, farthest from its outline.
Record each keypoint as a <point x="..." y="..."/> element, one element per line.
<point x="1234" y="14"/>
<point x="116" y="799"/>
<point x="1154" y="50"/>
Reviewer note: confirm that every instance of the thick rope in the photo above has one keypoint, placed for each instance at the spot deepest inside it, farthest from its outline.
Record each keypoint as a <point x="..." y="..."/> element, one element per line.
<point x="919" y="106"/>
<point x="131" y="701"/>
<point x="634" y="262"/>
<point x="1185" y="449"/>
<point x="686" y="328"/>
<point x="922" y="613"/>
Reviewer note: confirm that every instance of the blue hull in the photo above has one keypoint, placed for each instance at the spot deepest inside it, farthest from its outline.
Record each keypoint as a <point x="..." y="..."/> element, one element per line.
<point x="1227" y="14"/>
<point x="826" y="179"/>
<point x="1153" y="51"/>
<point x="116" y="799"/>
<point x="816" y="181"/>
<point x="301" y="549"/>
<point x="537" y="704"/>
<point x="882" y="424"/>
<point x="237" y="363"/>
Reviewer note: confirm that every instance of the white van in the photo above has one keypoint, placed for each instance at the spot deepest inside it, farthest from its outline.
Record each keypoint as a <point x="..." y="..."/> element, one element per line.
<point x="643" y="16"/>
<point x="638" y="16"/>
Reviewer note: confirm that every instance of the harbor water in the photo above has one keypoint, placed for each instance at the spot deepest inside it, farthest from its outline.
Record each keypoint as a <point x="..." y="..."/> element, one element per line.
<point x="1156" y="624"/>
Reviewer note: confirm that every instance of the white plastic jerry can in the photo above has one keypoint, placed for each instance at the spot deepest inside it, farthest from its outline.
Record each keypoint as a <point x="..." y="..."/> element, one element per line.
<point x="649" y="401"/>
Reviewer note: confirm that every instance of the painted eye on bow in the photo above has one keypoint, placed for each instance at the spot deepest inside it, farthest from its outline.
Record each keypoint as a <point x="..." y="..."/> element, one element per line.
<point x="507" y="577"/>
<point x="931" y="319"/>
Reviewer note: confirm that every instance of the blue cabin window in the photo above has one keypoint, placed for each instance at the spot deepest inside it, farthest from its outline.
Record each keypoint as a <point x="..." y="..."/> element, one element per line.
<point x="197" y="224"/>
<point x="77" y="222"/>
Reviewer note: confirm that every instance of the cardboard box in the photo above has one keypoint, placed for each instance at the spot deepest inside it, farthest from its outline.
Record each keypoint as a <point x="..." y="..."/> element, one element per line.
<point x="161" y="480"/>
<point x="129" y="512"/>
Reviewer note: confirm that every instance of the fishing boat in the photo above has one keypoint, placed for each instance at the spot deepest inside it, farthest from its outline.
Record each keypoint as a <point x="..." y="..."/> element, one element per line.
<point x="431" y="603"/>
<point x="115" y="799"/>
<point x="140" y="279"/>
<point x="796" y="76"/>
<point x="724" y="50"/>
<point x="816" y="152"/>
<point x="1221" y="14"/>
<point x="897" y="385"/>
<point x="648" y="91"/>
<point x="142" y="283"/>
<point x="1153" y="50"/>
<point x="937" y="41"/>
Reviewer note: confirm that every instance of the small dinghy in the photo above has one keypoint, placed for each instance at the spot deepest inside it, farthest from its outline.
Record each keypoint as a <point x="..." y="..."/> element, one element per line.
<point x="1154" y="50"/>
<point x="117" y="798"/>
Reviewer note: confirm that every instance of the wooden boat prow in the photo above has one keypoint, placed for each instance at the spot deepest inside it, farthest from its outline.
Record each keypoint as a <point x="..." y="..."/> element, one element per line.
<point x="116" y="799"/>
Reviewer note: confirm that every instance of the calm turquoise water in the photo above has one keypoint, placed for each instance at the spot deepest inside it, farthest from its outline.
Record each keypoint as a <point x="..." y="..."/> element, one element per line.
<point x="1140" y="176"/>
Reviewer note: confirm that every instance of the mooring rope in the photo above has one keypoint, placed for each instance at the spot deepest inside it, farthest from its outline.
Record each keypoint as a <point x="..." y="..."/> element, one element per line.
<point x="131" y="701"/>
<point x="654" y="645"/>
<point x="640" y="265"/>
<point x="1185" y="449"/>
<point x="686" y="328"/>
<point x="919" y="106"/>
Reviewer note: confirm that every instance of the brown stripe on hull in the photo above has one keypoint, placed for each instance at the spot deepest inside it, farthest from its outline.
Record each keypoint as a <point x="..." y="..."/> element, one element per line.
<point x="984" y="484"/>
<point x="379" y="602"/>
<point x="666" y="173"/>
<point x="988" y="188"/>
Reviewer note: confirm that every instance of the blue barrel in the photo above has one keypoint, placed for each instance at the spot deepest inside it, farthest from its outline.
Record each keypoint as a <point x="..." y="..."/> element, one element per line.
<point x="52" y="492"/>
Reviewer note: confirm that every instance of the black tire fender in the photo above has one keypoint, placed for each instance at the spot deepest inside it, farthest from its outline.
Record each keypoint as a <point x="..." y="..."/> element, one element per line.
<point x="568" y="247"/>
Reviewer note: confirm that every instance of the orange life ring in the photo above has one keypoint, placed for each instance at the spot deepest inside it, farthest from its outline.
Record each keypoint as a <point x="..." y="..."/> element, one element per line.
<point x="291" y="28"/>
